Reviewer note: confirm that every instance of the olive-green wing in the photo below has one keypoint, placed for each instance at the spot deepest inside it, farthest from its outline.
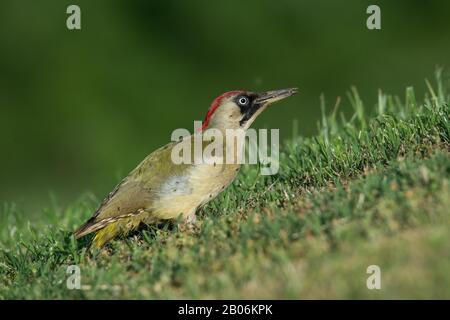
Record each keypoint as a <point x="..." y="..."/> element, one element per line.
<point x="127" y="200"/>
<point x="136" y="193"/>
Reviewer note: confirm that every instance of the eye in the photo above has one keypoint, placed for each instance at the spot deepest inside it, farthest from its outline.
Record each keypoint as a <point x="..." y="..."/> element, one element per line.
<point x="243" y="101"/>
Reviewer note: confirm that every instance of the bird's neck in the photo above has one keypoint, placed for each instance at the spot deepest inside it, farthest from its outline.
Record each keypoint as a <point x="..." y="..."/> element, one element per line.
<point x="230" y="142"/>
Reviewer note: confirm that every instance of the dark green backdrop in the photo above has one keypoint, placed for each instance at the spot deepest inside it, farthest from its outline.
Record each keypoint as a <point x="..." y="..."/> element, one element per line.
<point x="79" y="109"/>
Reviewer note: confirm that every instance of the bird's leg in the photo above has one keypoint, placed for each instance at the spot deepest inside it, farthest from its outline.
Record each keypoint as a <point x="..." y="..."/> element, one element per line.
<point x="191" y="219"/>
<point x="189" y="222"/>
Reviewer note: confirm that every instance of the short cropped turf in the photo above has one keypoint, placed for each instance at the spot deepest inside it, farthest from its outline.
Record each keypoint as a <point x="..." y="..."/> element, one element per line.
<point x="370" y="189"/>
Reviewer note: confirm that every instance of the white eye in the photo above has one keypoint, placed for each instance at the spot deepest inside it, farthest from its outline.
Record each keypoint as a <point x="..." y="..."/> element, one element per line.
<point x="243" y="101"/>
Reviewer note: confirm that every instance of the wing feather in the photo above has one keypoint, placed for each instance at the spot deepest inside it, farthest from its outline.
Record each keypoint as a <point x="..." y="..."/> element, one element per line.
<point x="136" y="194"/>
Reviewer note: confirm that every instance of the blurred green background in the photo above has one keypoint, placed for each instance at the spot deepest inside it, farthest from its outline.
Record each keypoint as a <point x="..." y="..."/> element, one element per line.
<point x="79" y="109"/>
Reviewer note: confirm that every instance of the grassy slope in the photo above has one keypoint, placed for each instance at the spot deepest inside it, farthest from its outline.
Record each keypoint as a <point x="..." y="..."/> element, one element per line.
<point x="361" y="192"/>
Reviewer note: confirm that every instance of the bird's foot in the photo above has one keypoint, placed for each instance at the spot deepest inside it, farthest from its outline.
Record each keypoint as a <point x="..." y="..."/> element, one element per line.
<point x="189" y="224"/>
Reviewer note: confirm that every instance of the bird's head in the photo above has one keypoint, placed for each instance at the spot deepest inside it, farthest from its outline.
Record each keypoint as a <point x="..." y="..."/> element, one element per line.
<point x="238" y="109"/>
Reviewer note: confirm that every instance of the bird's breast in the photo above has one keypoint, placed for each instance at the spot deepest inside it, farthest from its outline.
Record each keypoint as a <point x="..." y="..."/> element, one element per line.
<point x="198" y="185"/>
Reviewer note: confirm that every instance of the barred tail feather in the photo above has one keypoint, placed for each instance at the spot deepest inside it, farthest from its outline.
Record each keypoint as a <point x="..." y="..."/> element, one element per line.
<point x="89" y="227"/>
<point x="109" y="227"/>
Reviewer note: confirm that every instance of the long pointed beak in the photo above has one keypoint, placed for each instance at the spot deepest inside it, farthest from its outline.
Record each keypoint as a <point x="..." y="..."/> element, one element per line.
<point x="270" y="97"/>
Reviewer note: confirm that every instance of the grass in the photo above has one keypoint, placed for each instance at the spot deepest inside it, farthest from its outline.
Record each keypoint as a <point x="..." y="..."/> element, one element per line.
<point x="372" y="189"/>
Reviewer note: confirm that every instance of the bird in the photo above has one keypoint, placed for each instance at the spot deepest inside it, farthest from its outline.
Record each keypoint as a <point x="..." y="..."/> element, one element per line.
<point x="159" y="189"/>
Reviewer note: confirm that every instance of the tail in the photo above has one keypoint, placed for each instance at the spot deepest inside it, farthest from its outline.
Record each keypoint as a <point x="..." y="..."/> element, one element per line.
<point x="104" y="232"/>
<point x="91" y="226"/>
<point x="105" y="235"/>
<point x="108" y="228"/>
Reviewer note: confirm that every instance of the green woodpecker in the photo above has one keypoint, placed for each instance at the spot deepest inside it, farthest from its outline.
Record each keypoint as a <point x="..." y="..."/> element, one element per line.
<point x="158" y="189"/>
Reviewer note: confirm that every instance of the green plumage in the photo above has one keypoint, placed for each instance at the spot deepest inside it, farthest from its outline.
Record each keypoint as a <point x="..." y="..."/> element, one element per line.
<point x="128" y="204"/>
<point x="159" y="189"/>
